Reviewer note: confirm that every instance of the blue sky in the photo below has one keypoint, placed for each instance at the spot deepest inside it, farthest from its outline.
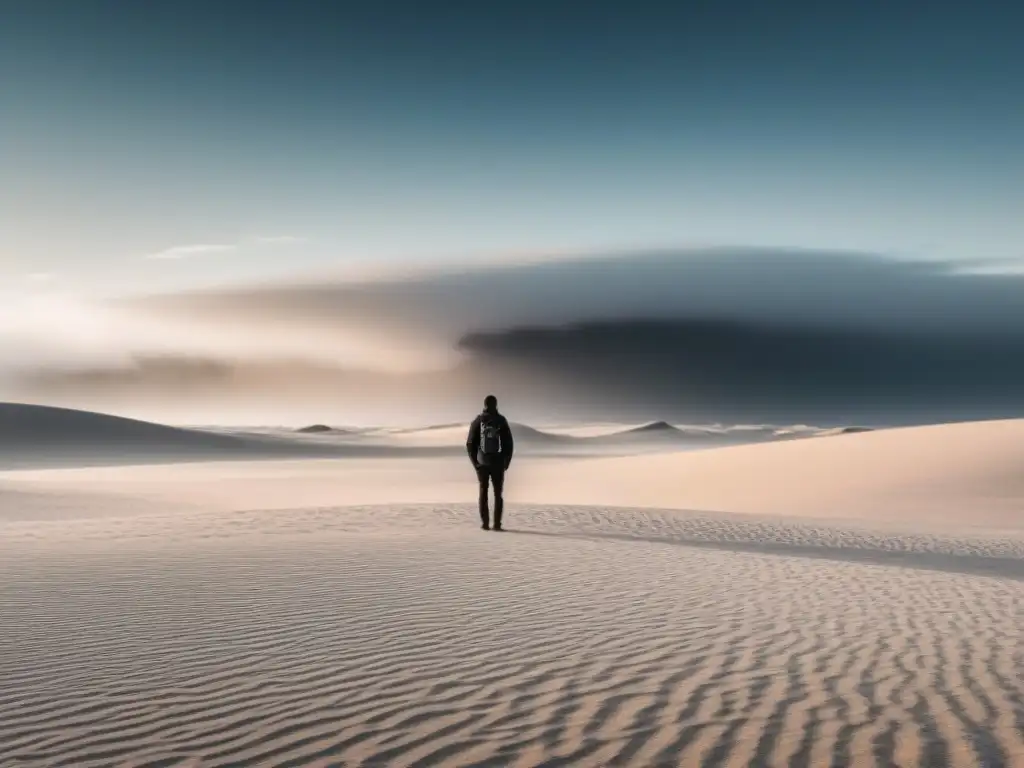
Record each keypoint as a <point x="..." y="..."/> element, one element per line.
<point x="243" y="140"/>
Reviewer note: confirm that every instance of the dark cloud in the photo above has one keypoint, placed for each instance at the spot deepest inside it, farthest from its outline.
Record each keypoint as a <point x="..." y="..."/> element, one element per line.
<point x="731" y="370"/>
<point x="744" y="284"/>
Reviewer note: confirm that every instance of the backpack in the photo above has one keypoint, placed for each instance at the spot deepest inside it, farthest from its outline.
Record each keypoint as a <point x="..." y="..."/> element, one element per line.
<point x="490" y="438"/>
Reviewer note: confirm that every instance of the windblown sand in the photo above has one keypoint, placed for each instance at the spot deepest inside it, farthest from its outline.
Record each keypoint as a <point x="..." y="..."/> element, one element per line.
<point x="147" y="628"/>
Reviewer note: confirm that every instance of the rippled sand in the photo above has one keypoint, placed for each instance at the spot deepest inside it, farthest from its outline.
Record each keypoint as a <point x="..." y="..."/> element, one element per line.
<point x="585" y="636"/>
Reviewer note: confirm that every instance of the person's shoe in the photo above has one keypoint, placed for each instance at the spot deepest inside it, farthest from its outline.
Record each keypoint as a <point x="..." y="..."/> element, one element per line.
<point x="486" y="527"/>
<point x="498" y="527"/>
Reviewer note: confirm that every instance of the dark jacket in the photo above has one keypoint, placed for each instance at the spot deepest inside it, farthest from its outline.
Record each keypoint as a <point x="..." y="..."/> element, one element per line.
<point x="473" y="440"/>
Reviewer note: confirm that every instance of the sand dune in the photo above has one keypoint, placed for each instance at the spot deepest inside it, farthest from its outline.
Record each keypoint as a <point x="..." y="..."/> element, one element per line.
<point x="843" y="431"/>
<point x="960" y="475"/>
<point x="317" y="429"/>
<point x="32" y="435"/>
<point x="662" y="435"/>
<point x="653" y="426"/>
<point x="969" y="474"/>
<point x="50" y="427"/>
<point x="404" y="636"/>
<point x="43" y="436"/>
<point x="612" y="438"/>
<point x="247" y="614"/>
<point x="532" y="434"/>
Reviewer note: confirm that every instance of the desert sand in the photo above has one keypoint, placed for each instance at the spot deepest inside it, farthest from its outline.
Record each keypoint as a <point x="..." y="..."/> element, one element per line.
<point x="850" y="599"/>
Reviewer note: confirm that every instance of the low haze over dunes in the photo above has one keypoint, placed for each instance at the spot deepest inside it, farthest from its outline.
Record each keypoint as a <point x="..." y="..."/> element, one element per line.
<point x="34" y="436"/>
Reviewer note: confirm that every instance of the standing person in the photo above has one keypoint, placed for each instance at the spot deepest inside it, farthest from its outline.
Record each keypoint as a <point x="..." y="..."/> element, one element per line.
<point x="490" y="446"/>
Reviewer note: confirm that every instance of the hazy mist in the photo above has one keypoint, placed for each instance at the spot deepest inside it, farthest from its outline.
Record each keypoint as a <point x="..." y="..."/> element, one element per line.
<point x="714" y="334"/>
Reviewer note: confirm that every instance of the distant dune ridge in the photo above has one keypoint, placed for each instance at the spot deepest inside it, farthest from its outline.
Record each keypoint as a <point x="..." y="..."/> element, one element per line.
<point x="524" y="432"/>
<point x="919" y="475"/>
<point x="958" y="474"/>
<point x="26" y="427"/>
<point x="23" y="421"/>
<point x="844" y="431"/>
<point x="314" y="429"/>
<point x="812" y="597"/>
<point x="655" y="426"/>
<point x="36" y="435"/>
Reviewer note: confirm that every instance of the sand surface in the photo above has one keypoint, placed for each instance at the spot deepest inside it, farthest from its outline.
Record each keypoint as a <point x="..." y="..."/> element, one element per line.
<point x="246" y="613"/>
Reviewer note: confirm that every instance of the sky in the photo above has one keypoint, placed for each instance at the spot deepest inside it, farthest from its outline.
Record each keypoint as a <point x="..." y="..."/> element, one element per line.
<point x="189" y="188"/>
<point x="162" y="145"/>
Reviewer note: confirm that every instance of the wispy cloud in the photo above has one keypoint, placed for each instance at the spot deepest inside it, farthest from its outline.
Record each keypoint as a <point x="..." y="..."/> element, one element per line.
<point x="992" y="267"/>
<point x="188" y="251"/>
<point x="39" y="278"/>
<point x="280" y="240"/>
<point x="204" y="249"/>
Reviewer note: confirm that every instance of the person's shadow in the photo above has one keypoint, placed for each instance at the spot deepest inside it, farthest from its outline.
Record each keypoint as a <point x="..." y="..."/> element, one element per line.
<point x="977" y="565"/>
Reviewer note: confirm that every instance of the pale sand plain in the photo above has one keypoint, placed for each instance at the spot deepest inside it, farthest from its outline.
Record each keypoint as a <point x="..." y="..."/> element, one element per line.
<point x="843" y="600"/>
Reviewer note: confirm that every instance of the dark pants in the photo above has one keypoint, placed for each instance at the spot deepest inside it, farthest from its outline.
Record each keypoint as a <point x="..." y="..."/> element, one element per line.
<point x="496" y="477"/>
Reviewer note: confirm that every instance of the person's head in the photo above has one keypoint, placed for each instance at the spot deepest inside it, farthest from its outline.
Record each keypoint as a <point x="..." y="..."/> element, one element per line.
<point x="490" y="403"/>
